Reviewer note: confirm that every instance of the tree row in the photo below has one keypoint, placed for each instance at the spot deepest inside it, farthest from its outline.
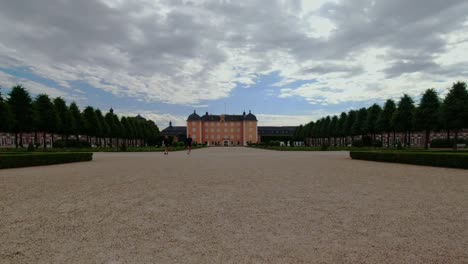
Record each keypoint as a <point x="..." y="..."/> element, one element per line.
<point x="20" y="113"/>
<point x="431" y="114"/>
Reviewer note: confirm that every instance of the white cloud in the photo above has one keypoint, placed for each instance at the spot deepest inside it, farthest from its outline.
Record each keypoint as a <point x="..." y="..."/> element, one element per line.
<point x="186" y="52"/>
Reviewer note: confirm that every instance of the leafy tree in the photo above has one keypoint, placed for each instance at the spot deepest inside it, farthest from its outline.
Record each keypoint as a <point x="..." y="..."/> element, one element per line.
<point x="427" y="114"/>
<point x="103" y="126"/>
<point x="455" y="110"/>
<point x="47" y="119"/>
<point x="126" y="133"/>
<point x="20" y="103"/>
<point x="77" y="122"/>
<point x="117" y="128"/>
<point x="6" y="117"/>
<point x="373" y="114"/>
<point x="384" y="122"/>
<point x="359" y="126"/>
<point x="341" y="127"/>
<point x="334" y="128"/>
<point x="352" y="115"/>
<point x="90" y="121"/>
<point x="112" y="132"/>
<point x="65" y="127"/>
<point x="403" y="117"/>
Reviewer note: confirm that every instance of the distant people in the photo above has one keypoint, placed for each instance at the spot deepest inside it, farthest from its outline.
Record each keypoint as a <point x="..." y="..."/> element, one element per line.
<point x="166" y="143"/>
<point x="188" y="144"/>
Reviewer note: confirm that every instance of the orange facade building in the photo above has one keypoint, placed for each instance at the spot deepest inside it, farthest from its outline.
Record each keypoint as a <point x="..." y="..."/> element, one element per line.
<point x="223" y="130"/>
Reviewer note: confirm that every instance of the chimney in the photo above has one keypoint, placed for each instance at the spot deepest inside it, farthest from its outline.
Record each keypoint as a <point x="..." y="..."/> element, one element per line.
<point x="170" y="123"/>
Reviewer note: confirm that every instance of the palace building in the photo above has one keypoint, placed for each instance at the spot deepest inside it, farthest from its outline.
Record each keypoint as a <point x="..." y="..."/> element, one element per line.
<point x="223" y="130"/>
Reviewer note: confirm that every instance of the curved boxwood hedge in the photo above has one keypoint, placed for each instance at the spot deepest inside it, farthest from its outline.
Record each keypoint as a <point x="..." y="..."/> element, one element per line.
<point x="37" y="159"/>
<point x="441" y="159"/>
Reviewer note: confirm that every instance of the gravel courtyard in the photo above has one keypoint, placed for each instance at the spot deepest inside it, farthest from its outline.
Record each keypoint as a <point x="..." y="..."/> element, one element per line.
<point x="233" y="205"/>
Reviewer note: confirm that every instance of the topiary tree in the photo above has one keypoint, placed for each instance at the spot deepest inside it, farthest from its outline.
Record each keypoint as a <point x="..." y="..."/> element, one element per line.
<point x="384" y="122"/>
<point x="20" y="103"/>
<point x="349" y="124"/>
<point x="103" y="130"/>
<point x="373" y="114"/>
<point x="455" y="110"/>
<point x="6" y="117"/>
<point x="341" y="132"/>
<point x="77" y="127"/>
<point x="359" y="126"/>
<point x="67" y="121"/>
<point x="90" y="121"/>
<point x="47" y="119"/>
<point x="427" y="114"/>
<point x="402" y="119"/>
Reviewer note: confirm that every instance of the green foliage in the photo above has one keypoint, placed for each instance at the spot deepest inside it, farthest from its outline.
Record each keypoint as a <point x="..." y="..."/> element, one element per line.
<point x="384" y="122"/>
<point x="6" y="116"/>
<point x="20" y="103"/>
<point x="359" y="126"/>
<point x="373" y="114"/>
<point x="39" y="159"/>
<point x="427" y="114"/>
<point x="444" y="143"/>
<point x="178" y="144"/>
<point x="66" y="122"/>
<point x="31" y="147"/>
<point x="123" y="147"/>
<point x="403" y="117"/>
<point x="452" y="160"/>
<point x="274" y="143"/>
<point x="90" y="121"/>
<point x="47" y="118"/>
<point x="454" y="107"/>
<point x="324" y="147"/>
<point x="77" y="121"/>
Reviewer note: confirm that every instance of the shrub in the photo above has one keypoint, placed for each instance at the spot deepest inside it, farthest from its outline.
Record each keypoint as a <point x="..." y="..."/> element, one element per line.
<point x="31" y="147"/>
<point x="324" y="147"/>
<point x="38" y="159"/>
<point x="274" y="143"/>
<point x="452" y="160"/>
<point x="444" y="143"/>
<point x="123" y="147"/>
<point x="399" y="146"/>
<point x="178" y="144"/>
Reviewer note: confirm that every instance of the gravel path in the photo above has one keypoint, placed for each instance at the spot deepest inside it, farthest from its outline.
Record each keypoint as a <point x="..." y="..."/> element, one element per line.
<point x="233" y="205"/>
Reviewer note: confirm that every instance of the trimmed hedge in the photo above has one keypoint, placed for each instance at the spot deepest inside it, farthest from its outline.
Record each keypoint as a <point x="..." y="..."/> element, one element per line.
<point x="18" y="160"/>
<point x="450" y="160"/>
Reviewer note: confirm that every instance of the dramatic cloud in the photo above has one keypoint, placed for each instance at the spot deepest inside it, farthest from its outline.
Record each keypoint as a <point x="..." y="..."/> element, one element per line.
<point x="186" y="52"/>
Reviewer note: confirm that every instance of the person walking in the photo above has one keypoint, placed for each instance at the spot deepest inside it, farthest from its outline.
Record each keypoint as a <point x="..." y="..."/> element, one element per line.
<point x="188" y="144"/>
<point x="166" y="143"/>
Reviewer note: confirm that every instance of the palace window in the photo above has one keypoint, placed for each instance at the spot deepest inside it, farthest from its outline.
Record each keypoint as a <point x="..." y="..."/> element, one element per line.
<point x="194" y="129"/>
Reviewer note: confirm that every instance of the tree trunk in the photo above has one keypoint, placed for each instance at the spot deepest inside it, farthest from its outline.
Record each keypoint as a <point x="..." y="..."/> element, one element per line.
<point x="35" y="139"/>
<point x="426" y="143"/>
<point x="393" y="141"/>
<point x="52" y="139"/>
<point x="44" y="138"/>
<point x="21" y="139"/>
<point x="448" y="135"/>
<point x="16" y="140"/>
<point x="455" y="141"/>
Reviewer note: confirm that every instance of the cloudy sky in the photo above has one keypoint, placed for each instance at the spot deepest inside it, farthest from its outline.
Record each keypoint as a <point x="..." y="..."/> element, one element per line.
<point x="289" y="61"/>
